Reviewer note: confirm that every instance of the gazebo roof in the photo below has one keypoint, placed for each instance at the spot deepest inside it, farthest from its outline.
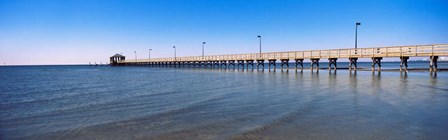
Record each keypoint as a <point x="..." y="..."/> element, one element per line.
<point x="118" y="55"/>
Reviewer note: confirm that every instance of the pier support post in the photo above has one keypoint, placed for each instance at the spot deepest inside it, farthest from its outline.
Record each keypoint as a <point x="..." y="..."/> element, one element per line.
<point x="204" y="64"/>
<point x="251" y="63"/>
<point x="198" y="64"/>
<point x="285" y="62"/>
<point x="240" y="62"/>
<point x="260" y="62"/>
<point x="332" y="61"/>
<point x="433" y="63"/>
<point x="271" y="62"/>
<point x="216" y="64"/>
<point x="212" y="64"/>
<point x="201" y="64"/>
<point x="223" y="62"/>
<point x="232" y="62"/>
<point x="376" y="60"/>
<point x="193" y="64"/>
<point x="299" y="62"/>
<point x="314" y="61"/>
<point x="404" y="62"/>
<point x="352" y="61"/>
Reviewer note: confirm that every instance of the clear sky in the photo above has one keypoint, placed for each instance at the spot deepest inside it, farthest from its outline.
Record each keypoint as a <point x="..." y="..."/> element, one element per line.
<point x="83" y="31"/>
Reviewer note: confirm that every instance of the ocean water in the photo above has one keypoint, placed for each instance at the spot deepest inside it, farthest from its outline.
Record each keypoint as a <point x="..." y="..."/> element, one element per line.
<point x="88" y="102"/>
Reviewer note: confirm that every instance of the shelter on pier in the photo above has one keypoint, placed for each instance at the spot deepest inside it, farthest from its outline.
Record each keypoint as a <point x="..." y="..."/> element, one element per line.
<point x="115" y="59"/>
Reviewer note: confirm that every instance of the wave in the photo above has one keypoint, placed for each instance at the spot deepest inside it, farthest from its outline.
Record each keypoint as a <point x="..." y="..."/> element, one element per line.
<point x="259" y="132"/>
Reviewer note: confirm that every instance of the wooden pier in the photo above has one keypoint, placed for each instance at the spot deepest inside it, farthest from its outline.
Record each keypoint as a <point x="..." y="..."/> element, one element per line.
<point x="246" y="61"/>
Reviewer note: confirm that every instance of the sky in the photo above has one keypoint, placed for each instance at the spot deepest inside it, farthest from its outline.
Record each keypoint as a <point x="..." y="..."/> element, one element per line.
<point x="41" y="32"/>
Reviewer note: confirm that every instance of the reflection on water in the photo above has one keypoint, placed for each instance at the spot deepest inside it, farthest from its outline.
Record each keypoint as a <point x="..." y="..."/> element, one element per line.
<point x="81" y="102"/>
<point x="433" y="74"/>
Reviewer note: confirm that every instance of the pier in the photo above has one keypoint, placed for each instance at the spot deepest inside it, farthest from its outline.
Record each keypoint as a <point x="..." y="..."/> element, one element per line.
<point x="246" y="61"/>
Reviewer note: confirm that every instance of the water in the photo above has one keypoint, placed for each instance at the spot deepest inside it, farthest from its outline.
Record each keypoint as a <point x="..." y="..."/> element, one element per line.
<point x="82" y="102"/>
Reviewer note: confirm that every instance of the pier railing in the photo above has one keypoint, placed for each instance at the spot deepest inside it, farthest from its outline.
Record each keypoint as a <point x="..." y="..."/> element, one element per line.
<point x="393" y="51"/>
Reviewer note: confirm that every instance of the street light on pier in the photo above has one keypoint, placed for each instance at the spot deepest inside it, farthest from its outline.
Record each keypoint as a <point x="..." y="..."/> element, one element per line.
<point x="356" y="36"/>
<point x="259" y="36"/>
<point x="174" y="47"/>
<point x="149" y="54"/>
<point x="135" y="54"/>
<point x="203" y="43"/>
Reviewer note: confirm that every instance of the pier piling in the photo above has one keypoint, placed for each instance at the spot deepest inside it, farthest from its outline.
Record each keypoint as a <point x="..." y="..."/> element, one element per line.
<point x="315" y="61"/>
<point x="352" y="62"/>
<point x="299" y="62"/>
<point x="271" y="62"/>
<point x="283" y="63"/>
<point x="433" y="63"/>
<point x="376" y="61"/>
<point x="260" y="62"/>
<point x="404" y="62"/>
<point x="332" y="61"/>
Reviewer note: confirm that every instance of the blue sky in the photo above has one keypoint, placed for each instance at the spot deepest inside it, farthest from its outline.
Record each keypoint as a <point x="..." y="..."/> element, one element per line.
<point x="82" y="31"/>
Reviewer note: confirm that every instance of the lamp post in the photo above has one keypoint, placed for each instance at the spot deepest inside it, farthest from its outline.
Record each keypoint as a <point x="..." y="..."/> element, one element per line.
<point x="174" y="47"/>
<point x="356" y="36"/>
<point x="149" y="55"/>
<point x="203" y="43"/>
<point x="135" y="54"/>
<point x="259" y="36"/>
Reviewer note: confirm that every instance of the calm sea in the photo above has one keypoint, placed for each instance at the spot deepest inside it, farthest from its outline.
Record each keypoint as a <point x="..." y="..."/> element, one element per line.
<point x="88" y="102"/>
